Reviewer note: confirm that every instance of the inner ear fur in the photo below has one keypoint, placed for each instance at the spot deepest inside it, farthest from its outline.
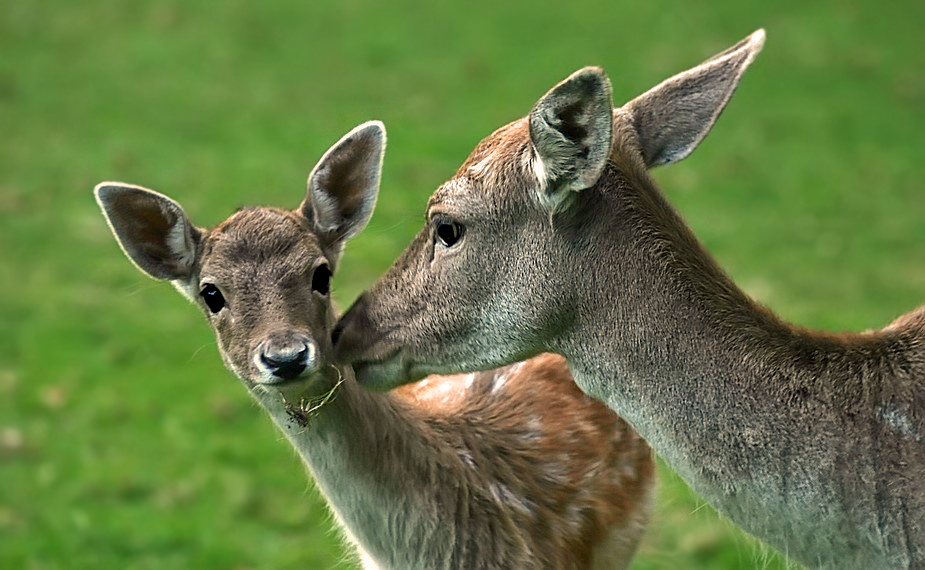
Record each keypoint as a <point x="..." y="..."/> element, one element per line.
<point x="151" y="229"/>
<point x="671" y="119"/>
<point x="571" y="129"/>
<point x="343" y="186"/>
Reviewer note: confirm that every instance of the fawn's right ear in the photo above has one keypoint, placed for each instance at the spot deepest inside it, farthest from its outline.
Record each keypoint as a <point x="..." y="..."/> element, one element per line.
<point x="343" y="186"/>
<point x="152" y="229"/>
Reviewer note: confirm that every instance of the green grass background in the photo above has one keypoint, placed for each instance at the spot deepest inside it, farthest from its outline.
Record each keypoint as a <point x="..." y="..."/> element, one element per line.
<point x="125" y="444"/>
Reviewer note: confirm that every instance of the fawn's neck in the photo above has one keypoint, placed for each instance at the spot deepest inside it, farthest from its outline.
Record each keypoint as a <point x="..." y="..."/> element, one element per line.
<point x="383" y="469"/>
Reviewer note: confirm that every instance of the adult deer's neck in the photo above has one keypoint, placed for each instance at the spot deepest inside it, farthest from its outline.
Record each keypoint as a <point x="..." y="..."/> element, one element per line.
<point x="372" y="458"/>
<point x="667" y="340"/>
<point x="669" y="306"/>
<point x="666" y="303"/>
<point x="757" y="416"/>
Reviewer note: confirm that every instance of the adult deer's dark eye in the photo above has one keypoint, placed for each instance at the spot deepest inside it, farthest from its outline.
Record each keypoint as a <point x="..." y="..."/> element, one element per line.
<point x="213" y="297"/>
<point x="448" y="233"/>
<point x="321" y="279"/>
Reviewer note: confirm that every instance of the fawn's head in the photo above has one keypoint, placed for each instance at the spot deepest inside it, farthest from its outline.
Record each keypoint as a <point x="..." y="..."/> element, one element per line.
<point x="512" y="243"/>
<point x="262" y="276"/>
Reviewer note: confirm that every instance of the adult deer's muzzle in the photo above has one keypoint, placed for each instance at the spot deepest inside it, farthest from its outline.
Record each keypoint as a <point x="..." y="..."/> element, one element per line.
<point x="353" y="333"/>
<point x="373" y="352"/>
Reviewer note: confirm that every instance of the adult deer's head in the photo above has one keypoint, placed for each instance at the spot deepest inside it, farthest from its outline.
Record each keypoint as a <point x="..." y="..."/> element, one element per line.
<point x="543" y="211"/>
<point x="262" y="276"/>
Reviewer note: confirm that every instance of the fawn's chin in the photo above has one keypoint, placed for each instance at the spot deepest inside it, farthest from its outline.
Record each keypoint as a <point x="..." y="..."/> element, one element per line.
<point x="304" y="386"/>
<point x="267" y="380"/>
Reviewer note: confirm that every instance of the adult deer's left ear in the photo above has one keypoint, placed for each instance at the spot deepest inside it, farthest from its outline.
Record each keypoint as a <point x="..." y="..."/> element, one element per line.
<point x="343" y="186"/>
<point x="673" y="117"/>
<point x="571" y="128"/>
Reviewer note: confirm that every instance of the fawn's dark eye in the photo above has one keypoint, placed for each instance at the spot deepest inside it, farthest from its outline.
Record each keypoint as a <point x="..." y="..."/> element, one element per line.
<point x="213" y="297"/>
<point x="448" y="233"/>
<point x="321" y="279"/>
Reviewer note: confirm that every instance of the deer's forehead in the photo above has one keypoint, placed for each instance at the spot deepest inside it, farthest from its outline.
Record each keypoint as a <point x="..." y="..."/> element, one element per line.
<point x="498" y="171"/>
<point x="505" y="154"/>
<point x="263" y="237"/>
<point x="459" y="193"/>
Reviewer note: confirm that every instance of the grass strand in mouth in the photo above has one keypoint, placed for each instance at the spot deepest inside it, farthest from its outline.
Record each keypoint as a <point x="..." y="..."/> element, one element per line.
<point x="303" y="412"/>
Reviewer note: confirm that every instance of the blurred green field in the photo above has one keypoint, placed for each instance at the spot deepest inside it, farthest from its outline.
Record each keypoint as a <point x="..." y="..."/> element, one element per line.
<point x="125" y="444"/>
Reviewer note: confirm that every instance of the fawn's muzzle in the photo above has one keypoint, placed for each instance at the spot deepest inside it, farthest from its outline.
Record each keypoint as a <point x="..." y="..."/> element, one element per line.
<point x="286" y="356"/>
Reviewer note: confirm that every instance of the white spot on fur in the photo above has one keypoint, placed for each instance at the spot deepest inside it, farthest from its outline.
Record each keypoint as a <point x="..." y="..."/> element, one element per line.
<point x="534" y="430"/>
<point x="501" y="379"/>
<point x="557" y="473"/>
<point x="898" y="422"/>
<point x="498" y="383"/>
<point x="503" y="494"/>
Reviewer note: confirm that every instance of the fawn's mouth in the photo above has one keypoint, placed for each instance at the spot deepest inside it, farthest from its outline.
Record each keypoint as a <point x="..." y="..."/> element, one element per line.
<point x="304" y="389"/>
<point x="277" y="382"/>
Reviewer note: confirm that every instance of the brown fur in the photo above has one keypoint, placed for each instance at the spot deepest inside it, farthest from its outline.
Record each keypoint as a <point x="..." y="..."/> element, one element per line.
<point x="581" y="469"/>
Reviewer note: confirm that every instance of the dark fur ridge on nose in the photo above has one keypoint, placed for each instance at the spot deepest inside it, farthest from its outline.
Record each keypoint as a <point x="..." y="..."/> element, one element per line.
<point x="286" y="356"/>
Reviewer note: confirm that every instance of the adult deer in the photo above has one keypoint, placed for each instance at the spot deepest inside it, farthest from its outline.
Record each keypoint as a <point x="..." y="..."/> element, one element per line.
<point x="552" y="237"/>
<point x="513" y="468"/>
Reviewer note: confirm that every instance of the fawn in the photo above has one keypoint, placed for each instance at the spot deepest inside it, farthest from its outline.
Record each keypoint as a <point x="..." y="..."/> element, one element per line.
<point x="513" y="468"/>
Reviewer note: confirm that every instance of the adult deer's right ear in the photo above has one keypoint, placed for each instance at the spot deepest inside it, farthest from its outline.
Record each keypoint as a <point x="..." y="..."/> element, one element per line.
<point x="571" y="128"/>
<point x="343" y="186"/>
<point x="151" y="228"/>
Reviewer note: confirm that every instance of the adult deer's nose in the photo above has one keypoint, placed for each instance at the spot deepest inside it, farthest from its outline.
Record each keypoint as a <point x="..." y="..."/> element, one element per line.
<point x="286" y="356"/>
<point x="351" y="333"/>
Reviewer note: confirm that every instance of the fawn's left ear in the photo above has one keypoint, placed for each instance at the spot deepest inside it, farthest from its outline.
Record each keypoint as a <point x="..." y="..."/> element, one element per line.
<point x="152" y="229"/>
<point x="343" y="186"/>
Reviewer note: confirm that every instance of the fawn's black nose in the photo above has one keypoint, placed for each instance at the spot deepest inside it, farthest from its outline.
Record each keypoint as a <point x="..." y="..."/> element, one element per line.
<point x="287" y="356"/>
